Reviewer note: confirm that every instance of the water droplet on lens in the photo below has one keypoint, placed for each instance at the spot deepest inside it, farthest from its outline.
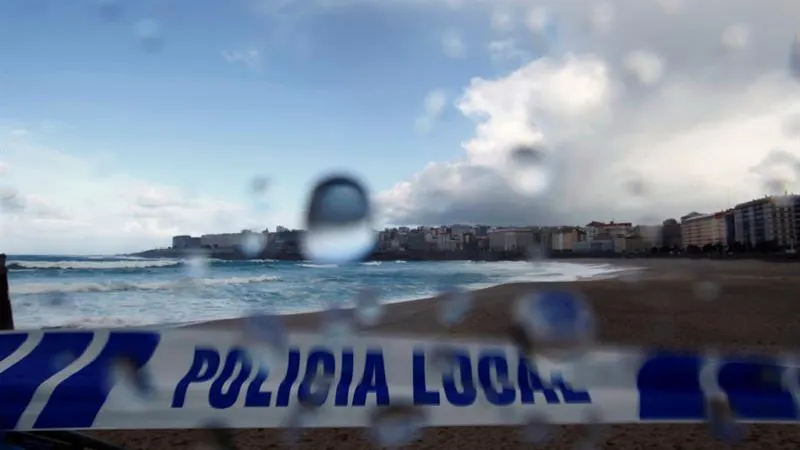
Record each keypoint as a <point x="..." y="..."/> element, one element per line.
<point x="58" y="299"/>
<point x="721" y="421"/>
<point x="556" y="318"/>
<point x="253" y="243"/>
<point x="528" y="170"/>
<point x="197" y="264"/>
<point x="536" y="429"/>
<point x="736" y="37"/>
<point x="149" y="33"/>
<point x="337" y="323"/>
<point x="266" y="329"/>
<point x="453" y="305"/>
<point x="707" y="290"/>
<point x="369" y="309"/>
<point x="338" y="222"/>
<point x="216" y="436"/>
<point x="397" y="425"/>
<point x="794" y="57"/>
<point x="259" y="186"/>
<point x="444" y="359"/>
<point x="109" y="9"/>
<point x="62" y="360"/>
<point x="126" y="375"/>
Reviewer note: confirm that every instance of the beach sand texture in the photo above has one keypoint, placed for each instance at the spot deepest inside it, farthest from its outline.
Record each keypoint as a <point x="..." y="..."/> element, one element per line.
<point x="671" y="304"/>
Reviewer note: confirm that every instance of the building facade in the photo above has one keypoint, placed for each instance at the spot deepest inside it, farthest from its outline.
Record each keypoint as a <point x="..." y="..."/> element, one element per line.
<point x="703" y="229"/>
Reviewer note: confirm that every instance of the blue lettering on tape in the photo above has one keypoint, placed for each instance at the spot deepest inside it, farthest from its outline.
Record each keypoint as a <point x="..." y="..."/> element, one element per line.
<point x="229" y="375"/>
<point x="669" y="388"/>
<point x="494" y="378"/>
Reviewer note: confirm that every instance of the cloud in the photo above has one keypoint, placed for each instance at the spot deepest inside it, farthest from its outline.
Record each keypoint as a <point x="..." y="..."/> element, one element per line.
<point x="434" y="104"/>
<point x="452" y="44"/>
<point x="250" y="58"/>
<point x="507" y="50"/>
<point x="57" y="203"/>
<point x="647" y="94"/>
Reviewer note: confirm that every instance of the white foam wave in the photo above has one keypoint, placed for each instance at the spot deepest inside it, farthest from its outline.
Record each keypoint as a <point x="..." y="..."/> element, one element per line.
<point x="371" y="263"/>
<point x="121" y="286"/>
<point x="317" y="266"/>
<point x="94" y="265"/>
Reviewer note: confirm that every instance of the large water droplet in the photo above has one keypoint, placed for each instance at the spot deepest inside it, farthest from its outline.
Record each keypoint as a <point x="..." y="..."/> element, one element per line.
<point x="369" y="308"/>
<point x="556" y="317"/>
<point x="396" y="426"/>
<point x="454" y="304"/>
<point x="707" y="290"/>
<point x="338" y="222"/>
<point x="150" y="35"/>
<point x="529" y="170"/>
<point x="253" y="243"/>
<point x="444" y="359"/>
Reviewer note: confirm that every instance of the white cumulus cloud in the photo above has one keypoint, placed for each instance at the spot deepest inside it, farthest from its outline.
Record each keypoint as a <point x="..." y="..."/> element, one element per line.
<point x="653" y="99"/>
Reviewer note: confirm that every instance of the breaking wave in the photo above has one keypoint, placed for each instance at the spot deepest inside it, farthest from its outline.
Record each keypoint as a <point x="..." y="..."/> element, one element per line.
<point x="122" y="286"/>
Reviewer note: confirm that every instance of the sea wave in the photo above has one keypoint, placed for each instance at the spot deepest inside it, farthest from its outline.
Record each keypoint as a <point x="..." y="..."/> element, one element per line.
<point x="317" y="266"/>
<point x="122" y="286"/>
<point x="93" y="265"/>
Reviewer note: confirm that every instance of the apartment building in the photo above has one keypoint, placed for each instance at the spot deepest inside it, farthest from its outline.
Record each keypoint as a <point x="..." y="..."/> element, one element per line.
<point x="511" y="239"/>
<point x="563" y="238"/>
<point x="703" y="229"/>
<point x="617" y="229"/>
<point x="774" y="219"/>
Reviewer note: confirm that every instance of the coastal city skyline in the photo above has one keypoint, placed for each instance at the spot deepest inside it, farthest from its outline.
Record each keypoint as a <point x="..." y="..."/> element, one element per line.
<point x="626" y="122"/>
<point x="769" y="223"/>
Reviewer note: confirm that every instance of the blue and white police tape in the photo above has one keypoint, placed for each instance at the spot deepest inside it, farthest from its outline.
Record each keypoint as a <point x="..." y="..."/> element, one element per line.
<point x="174" y="378"/>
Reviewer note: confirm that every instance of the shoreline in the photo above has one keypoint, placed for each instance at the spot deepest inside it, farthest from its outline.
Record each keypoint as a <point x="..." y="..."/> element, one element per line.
<point x="620" y="271"/>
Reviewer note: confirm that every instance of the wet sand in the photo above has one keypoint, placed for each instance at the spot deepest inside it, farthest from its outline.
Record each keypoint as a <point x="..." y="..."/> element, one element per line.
<point x="735" y="305"/>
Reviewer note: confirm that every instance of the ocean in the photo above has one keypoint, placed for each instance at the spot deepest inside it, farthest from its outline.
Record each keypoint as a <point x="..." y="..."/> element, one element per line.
<point x="82" y="291"/>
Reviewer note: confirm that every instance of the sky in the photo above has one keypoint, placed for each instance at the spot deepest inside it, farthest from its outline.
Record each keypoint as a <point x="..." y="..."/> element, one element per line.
<point x="123" y="123"/>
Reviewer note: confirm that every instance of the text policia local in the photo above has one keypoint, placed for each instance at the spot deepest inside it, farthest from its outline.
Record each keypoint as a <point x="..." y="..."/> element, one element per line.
<point x="230" y="377"/>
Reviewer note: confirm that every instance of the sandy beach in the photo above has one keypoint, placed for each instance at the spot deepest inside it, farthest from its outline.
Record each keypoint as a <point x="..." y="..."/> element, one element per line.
<point x="741" y="305"/>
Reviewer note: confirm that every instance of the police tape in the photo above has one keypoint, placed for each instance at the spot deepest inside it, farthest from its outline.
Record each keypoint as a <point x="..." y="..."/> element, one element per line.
<point x="184" y="378"/>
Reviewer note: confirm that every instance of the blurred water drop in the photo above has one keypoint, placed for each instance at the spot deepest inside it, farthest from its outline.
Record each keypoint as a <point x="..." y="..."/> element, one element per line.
<point x="556" y="318"/>
<point x="454" y="304"/>
<point x="338" y="222"/>
<point x="736" y="37"/>
<point x="109" y="9"/>
<point x="794" y="57"/>
<point x="149" y="33"/>
<point x="266" y="329"/>
<point x="707" y="290"/>
<point x="536" y="429"/>
<point x="130" y="381"/>
<point x="337" y="323"/>
<point x="369" y="309"/>
<point x="259" y="186"/>
<point x="528" y="170"/>
<point x="397" y="425"/>
<point x="216" y="436"/>
<point x="444" y="359"/>
<point x="721" y="421"/>
<point x="58" y="299"/>
<point x="62" y="360"/>
<point x="253" y="243"/>
<point x="10" y="200"/>
<point x="637" y="187"/>
<point x="197" y="264"/>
